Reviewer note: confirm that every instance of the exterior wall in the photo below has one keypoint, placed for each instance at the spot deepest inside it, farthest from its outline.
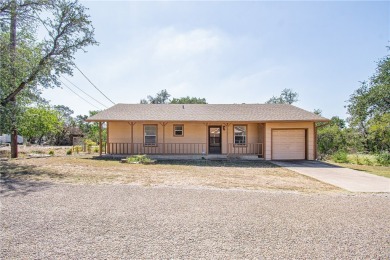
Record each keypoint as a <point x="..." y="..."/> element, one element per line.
<point x="309" y="126"/>
<point x="194" y="133"/>
<point x="120" y="132"/>
<point x="254" y="136"/>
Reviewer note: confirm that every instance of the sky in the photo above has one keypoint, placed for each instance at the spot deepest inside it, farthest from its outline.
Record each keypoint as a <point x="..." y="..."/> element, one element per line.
<point x="229" y="51"/>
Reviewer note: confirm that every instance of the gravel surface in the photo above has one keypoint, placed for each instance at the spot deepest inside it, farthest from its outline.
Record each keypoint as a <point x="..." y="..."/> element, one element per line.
<point x="63" y="221"/>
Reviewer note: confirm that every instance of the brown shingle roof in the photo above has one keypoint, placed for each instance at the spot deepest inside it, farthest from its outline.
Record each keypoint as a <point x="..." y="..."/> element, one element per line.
<point x="206" y="113"/>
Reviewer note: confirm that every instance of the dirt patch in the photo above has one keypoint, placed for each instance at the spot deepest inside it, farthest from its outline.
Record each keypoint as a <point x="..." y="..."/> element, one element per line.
<point x="251" y="175"/>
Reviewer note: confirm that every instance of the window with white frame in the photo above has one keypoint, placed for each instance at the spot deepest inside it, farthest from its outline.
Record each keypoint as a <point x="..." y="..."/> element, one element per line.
<point x="240" y="135"/>
<point x="150" y="135"/>
<point x="178" y="130"/>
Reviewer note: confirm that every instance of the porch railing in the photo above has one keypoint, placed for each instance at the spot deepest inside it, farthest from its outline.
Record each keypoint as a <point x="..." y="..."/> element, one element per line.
<point x="182" y="148"/>
<point x="160" y="148"/>
<point x="247" y="149"/>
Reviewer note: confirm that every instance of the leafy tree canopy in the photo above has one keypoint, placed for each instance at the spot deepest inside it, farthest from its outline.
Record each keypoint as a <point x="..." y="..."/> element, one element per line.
<point x="162" y="97"/>
<point x="369" y="108"/>
<point x="188" y="100"/>
<point x="32" y="62"/>
<point x="288" y="96"/>
<point x="39" y="122"/>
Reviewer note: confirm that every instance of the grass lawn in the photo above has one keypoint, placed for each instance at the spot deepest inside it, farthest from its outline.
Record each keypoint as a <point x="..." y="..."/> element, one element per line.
<point x="377" y="170"/>
<point x="251" y="175"/>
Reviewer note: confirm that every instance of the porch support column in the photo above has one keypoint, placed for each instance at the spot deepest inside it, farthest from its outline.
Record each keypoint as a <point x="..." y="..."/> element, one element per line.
<point x="315" y="140"/>
<point x="163" y="125"/>
<point x="132" y="137"/>
<point x="108" y="138"/>
<point x="227" y="137"/>
<point x="265" y="142"/>
<point x="100" y="139"/>
<point x="207" y="138"/>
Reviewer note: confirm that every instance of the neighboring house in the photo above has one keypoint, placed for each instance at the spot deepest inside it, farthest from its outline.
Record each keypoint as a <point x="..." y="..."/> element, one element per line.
<point x="269" y="131"/>
<point x="75" y="134"/>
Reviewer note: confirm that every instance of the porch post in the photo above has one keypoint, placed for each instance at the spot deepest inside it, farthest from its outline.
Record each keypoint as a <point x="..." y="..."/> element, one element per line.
<point x="132" y="138"/>
<point x="227" y="138"/>
<point x="100" y="139"/>
<point x="108" y="139"/>
<point x="163" y="125"/>
<point x="264" y="141"/>
<point x="163" y="138"/>
<point x="315" y="140"/>
<point x="207" y="138"/>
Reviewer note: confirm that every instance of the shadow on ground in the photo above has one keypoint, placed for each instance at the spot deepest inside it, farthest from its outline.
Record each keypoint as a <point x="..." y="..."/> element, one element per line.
<point x="14" y="183"/>
<point x="305" y="164"/>
<point x="204" y="162"/>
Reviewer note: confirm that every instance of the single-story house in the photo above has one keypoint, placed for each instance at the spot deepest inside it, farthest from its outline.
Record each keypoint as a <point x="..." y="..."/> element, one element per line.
<point x="269" y="131"/>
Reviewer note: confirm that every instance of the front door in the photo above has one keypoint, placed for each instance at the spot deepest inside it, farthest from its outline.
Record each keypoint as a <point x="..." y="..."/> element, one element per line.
<point x="215" y="140"/>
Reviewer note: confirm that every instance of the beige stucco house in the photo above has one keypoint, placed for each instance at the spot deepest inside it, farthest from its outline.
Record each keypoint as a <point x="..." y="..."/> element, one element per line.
<point x="269" y="131"/>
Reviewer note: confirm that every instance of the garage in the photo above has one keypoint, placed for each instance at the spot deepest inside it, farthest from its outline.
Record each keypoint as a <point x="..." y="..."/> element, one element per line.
<point x="288" y="144"/>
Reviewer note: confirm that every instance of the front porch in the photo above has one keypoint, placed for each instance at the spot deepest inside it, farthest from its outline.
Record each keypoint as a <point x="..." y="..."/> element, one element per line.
<point x="180" y="149"/>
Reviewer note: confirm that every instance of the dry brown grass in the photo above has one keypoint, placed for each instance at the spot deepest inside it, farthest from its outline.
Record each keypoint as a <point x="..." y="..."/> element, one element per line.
<point x="257" y="175"/>
<point x="25" y="151"/>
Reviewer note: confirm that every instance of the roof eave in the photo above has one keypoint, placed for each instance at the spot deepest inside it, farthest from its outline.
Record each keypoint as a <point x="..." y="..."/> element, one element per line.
<point x="200" y="121"/>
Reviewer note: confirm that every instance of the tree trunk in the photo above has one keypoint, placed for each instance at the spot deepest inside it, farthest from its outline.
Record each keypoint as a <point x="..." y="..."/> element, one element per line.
<point x="14" y="132"/>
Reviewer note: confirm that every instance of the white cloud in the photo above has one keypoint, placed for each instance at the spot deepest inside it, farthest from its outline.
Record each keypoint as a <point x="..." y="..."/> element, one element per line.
<point x="201" y="62"/>
<point x="171" y="42"/>
<point x="177" y="60"/>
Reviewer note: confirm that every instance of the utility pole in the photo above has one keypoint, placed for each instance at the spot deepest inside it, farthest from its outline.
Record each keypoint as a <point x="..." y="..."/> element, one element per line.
<point x="14" y="132"/>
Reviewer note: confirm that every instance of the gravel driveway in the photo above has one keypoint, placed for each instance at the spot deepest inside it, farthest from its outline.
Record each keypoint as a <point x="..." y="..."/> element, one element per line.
<point x="62" y="221"/>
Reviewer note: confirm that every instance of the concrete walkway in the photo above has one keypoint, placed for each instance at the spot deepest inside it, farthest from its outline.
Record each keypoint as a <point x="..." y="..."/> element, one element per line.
<point x="348" y="179"/>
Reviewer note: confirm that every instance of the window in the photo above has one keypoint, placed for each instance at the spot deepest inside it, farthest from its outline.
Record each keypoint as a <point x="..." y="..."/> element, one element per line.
<point x="240" y="135"/>
<point x="178" y="130"/>
<point x="150" y="135"/>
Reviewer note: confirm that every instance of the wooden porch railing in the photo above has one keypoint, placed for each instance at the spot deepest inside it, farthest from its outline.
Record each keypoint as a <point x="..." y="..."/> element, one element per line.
<point x="168" y="148"/>
<point x="182" y="148"/>
<point x="248" y="149"/>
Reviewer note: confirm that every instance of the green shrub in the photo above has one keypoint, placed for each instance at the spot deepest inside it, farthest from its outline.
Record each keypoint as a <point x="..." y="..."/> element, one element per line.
<point x="51" y="153"/>
<point x="367" y="161"/>
<point x="69" y="152"/>
<point x="340" y="157"/>
<point x="142" y="159"/>
<point x="96" y="149"/>
<point x="77" y="149"/>
<point x="89" y="143"/>
<point x="358" y="159"/>
<point x="383" y="158"/>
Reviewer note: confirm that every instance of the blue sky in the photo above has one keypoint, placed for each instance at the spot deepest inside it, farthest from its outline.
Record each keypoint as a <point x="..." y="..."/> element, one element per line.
<point x="231" y="52"/>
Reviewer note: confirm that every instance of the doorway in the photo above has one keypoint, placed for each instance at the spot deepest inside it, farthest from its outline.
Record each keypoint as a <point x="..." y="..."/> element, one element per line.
<point x="215" y="146"/>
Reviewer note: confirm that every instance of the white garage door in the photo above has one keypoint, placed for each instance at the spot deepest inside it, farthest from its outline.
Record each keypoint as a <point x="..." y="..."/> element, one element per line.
<point x="288" y="144"/>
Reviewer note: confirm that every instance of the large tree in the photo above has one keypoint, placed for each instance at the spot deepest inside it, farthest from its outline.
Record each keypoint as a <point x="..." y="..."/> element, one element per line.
<point x="369" y="109"/>
<point x="288" y="96"/>
<point x="188" y="100"/>
<point x="90" y="129"/>
<point x="40" y="122"/>
<point x="68" y="30"/>
<point x="162" y="97"/>
<point x="67" y="125"/>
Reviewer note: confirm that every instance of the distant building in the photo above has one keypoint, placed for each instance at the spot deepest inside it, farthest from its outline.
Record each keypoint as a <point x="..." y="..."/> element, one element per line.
<point x="6" y="139"/>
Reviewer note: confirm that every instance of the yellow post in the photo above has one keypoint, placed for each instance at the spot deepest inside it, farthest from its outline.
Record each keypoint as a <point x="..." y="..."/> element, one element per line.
<point x="100" y="139"/>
